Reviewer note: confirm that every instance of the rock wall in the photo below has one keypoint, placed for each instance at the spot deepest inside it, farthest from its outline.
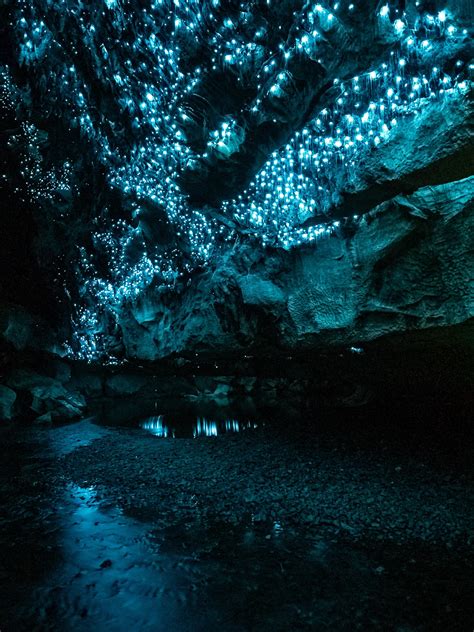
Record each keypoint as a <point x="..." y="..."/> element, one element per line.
<point x="199" y="198"/>
<point x="406" y="265"/>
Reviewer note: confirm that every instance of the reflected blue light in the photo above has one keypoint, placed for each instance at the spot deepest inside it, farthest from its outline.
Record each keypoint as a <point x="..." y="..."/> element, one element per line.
<point x="156" y="426"/>
<point x="206" y="428"/>
<point x="202" y="427"/>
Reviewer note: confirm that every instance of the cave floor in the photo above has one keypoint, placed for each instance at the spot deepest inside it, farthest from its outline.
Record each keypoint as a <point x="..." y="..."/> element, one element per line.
<point x="300" y="527"/>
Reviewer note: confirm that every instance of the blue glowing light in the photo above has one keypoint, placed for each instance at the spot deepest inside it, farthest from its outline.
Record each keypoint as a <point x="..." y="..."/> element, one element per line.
<point x="150" y="90"/>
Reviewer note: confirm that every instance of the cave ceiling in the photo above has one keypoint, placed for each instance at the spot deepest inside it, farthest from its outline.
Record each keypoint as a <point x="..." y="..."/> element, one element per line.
<point x="151" y="136"/>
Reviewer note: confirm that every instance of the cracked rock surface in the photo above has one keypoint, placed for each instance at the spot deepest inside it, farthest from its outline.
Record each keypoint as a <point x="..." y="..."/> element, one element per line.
<point x="407" y="266"/>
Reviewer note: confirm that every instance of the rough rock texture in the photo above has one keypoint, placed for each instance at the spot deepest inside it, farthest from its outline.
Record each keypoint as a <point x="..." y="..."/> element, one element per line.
<point x="46" y="398"/>
<point x="342" y="52"/>
<point x="90" y="243"/>
<point x="7" y="400"/>
<point x="407" y="265"/>
<point x="347" y="47"/>
<point x="16" y="326"/>
<point x="438" y="149"/>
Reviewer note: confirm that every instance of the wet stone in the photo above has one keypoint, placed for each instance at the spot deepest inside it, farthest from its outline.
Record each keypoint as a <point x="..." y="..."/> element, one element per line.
<point x="263" y="529"/>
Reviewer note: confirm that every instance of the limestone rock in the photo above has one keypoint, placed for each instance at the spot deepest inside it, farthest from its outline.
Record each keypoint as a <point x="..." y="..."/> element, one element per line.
<point x="123" y="384"/>
<point x="16" y="326"/>
<point x="436" y="150"/>
<point x="407" y="265"/>
<point x="48" y="396"/>
<point x="7" y="401"/>
<point x="258" y="291"/>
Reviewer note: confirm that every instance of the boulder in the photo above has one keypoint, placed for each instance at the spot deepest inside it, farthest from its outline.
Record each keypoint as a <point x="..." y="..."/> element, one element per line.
<point x="260" y="291"/>
<point x="123" y="384"/>
<point x="16" y="326"/>
<point x="48" y="396"/>
<point x="7" y="401"/>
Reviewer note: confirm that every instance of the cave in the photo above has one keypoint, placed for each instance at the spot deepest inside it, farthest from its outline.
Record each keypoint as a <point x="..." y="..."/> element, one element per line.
<point x="236" y="315"/>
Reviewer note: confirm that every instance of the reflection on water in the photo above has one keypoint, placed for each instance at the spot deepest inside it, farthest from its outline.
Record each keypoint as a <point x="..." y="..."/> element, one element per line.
<point x="205" y="428"/>
<point x="156" y="426"/>
<point x="277" y="528"/>
<point x="73" y="560"/>
<point x="201" y="428"/>
<point x="111" y="579"/>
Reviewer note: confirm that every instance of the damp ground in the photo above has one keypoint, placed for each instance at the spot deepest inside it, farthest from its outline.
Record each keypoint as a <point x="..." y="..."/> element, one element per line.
<point x="190" y="521"/>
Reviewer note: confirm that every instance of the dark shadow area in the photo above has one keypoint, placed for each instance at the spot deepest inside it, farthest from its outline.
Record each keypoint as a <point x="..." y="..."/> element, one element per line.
<point x="273" y="517"/>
